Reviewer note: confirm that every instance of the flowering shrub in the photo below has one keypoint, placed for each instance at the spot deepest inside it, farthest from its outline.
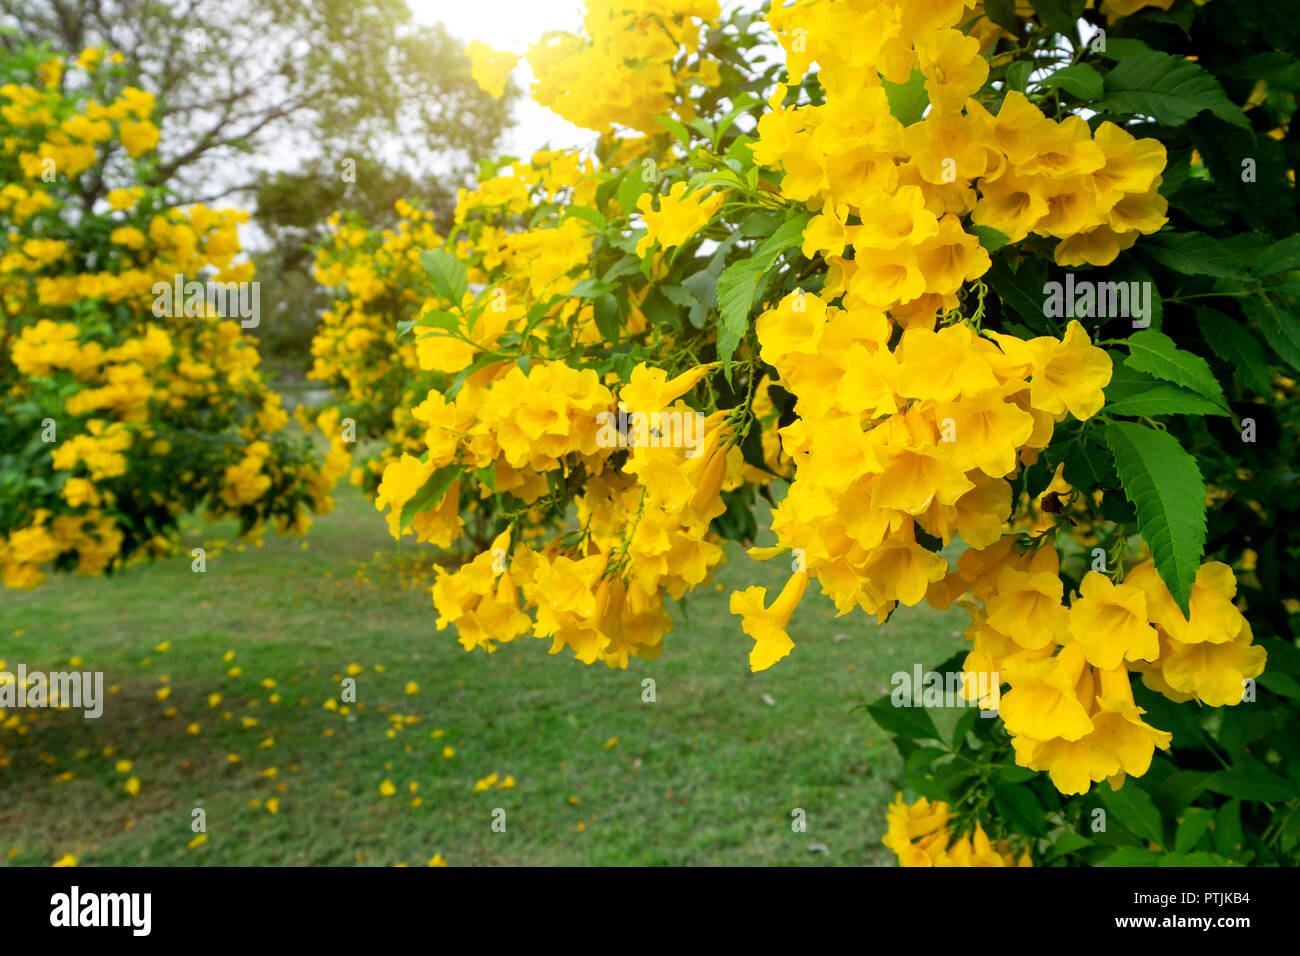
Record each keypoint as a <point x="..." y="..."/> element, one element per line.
<point x="938" y="287"/>
<point x="128" y="399"/>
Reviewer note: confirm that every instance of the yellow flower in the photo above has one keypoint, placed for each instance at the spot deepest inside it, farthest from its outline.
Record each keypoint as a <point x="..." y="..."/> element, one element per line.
<point x="490" y="67"/>
<point x="138" y="136"/>
<point x="678" y="217"/>
<point x="1069" y="374"/>
<point x="767" y="625"/>
<point x="1110" y="620"/>
<point x="1049" y="698"/>
<point x="952" y="66"/>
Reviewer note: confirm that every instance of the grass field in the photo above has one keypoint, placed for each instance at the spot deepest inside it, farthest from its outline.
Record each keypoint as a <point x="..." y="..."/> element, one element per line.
<point x="709" y="773"/>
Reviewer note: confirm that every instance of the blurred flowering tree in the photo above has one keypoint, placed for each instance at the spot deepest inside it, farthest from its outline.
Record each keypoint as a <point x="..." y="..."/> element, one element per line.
<point x="289" y="108"/>
<point x="123" y="406"/>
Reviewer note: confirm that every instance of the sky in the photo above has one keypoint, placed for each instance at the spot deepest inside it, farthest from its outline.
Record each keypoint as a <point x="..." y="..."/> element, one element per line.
<point x="513" y="25"/>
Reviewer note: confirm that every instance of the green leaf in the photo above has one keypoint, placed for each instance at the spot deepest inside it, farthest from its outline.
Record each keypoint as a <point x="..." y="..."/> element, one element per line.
<point x="1132" y="856"/>
<point x="1088" y="466"/>
<point x="1057" y="16"/>
<point x="1281" y="256"/>
<point x="588" y="214"/>
<point x="1068" y="842"/>
<point x="1164" y="484"/>
<point x="438" y="319"/>
<point x="1155" y="353"/>
<point x="1251" y="783"/>
<point x="739" y="284"/>
<point x="683" y="298"/>
<point x="605" y="312"/>
<point x="991" y="239"/>
<point x="965" y="724"/>
<point x="1020" y="808"/>
<point x="1022" y="290"/>
<point x="736" y="289"/>
<point x="1018" y="73"/>
<point x="911" y="723"/>
<point x="1164" y="399"/>
<point x="1169" y="89"/>
<point x="1238" y="347"/>
<point x="446" y="274"/>
<point x="592" y="288"/>
<point x="631" y="188"/>
<point x="1003" y="13"/>
<point x="682" y="134"/>
<point x="1228" y="835"/>
<point x="1079" y="80"/>
<point x="430" y="493"/>
<point x="1282" y="331"/>
<point x="1134" y="810"/>
<point x="1196" y="823"/>
<point x="907" y="101"/>
<point x="1194" y="254"/>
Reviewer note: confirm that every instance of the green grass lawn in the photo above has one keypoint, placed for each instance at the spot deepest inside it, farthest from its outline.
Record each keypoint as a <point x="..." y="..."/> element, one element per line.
<point x="707" y="774"/>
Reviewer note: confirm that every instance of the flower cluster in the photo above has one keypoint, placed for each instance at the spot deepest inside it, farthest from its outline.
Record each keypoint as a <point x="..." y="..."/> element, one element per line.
<point x="888" y="377"/>
<point x="122" y="414"/>
<point x="1069" y="707"/>
<point x="921" y="834"/>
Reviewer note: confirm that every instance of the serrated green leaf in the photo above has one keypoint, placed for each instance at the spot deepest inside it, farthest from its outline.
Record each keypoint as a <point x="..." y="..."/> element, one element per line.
<point x="1251" y="783"/>
<point x="1196" y="823"/>
<point x="673" y="126"/>
<point x="1079" y="80"/>
<point x="1020" y="808"/>
<point x="991" y="239"/>
<point x="430" y="493"/>
<point x="446" y="274"/>
<point x="1194" y="254"/>
<point x="1132" y="856"/>
<point x="605" y="312"/>
<point x="1056" y="15"/>
<point x="588" y="214"/>
<point x="911" y="723"/>
<point x="1003" y="13"/>
<point x="1228" y="835"/>
<point x="1164" y="485"/>
<point x="907" y="101"/>
<point x="1283" y="256"/>
<point x="591" y="289"/>
<point x="1169" y="89"/>
<point x="1068" y="842"/>
<point x="739" y="284"/>
<point x="1134" y="810"/>
<point x="1157" y="354"/>
<point x="1164" y="399"/>
<point x="1236" y="345"/>
<point x="736" y="288"/>
<point x="630" y="189"/>
<point x="1282" y="333"/>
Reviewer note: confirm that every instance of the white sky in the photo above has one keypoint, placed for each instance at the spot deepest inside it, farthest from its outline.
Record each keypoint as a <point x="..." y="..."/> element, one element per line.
<point x="513" y="25"/>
